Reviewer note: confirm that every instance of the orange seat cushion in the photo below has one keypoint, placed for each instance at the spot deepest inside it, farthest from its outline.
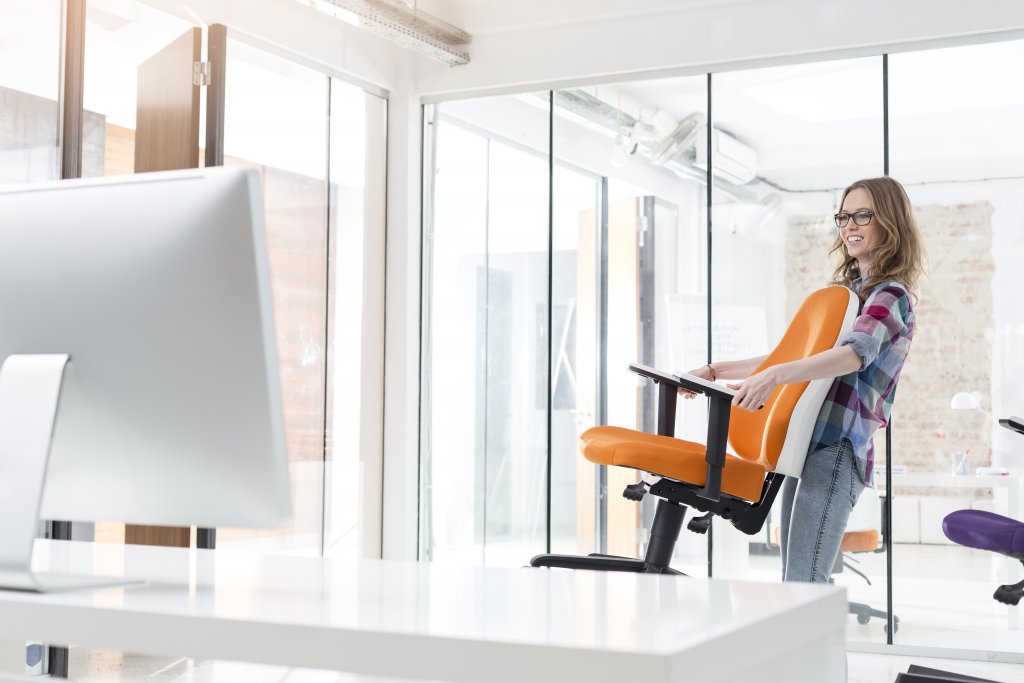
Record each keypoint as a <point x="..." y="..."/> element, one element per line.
<point x="863" y="541"/>
<point x="669" y="457"/>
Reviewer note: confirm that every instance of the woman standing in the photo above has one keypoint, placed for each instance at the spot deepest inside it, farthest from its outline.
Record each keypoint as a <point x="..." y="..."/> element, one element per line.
<point x="881" y="260"/>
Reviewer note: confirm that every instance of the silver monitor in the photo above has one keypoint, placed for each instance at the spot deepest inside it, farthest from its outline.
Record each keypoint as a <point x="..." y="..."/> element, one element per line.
<point x="155" y="289"/>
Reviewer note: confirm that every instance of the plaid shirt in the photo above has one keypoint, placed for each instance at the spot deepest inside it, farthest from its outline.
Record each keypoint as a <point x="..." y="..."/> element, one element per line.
<point x="861" y="402"/>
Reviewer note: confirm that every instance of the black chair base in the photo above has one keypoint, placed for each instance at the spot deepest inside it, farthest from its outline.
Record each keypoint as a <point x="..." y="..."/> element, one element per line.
<point x="668" y="520"/>
<point x="920" y="674"/>
<point x="608" y="563"/>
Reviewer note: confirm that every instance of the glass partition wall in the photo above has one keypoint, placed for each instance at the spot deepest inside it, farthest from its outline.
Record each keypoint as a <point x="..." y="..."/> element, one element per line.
<point x="29" y="90"/>
<point x="638" y="272"/>
<point x="488" y="360"/>
<point x="957" y="142"/>
<point x="782" y="152"/>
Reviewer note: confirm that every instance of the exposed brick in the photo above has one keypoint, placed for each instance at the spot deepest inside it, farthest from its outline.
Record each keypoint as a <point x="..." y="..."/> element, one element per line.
<point x="954" y="315"/>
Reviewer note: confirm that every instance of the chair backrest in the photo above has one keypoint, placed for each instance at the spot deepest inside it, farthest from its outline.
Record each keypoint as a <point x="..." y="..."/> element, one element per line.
<point x="778" y="436"/>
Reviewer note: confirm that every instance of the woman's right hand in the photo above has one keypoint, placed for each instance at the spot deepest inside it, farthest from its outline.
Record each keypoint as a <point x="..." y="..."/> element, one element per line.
<point x="704" y="372"/>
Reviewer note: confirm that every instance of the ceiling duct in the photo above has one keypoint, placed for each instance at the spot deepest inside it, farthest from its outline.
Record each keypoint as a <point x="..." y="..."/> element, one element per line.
<point x="679" y="141"/>
<point x="407" y="26"/>
<point x="678" y="151"/>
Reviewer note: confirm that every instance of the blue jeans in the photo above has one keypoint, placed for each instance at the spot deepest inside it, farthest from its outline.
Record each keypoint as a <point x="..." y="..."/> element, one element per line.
<point x="815" y="509"/>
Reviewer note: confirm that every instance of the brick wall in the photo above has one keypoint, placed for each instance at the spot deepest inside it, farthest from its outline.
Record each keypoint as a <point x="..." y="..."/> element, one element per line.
<point x="953" y="346"/>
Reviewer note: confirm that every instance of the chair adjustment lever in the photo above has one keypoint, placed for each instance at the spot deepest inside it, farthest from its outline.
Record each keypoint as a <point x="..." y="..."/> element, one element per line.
<point x="700" y="525"/>
<point x="635" y="491"/>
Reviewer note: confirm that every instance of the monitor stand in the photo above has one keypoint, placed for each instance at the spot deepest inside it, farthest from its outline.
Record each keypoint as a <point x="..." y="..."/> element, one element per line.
<point x="29" y="392"/>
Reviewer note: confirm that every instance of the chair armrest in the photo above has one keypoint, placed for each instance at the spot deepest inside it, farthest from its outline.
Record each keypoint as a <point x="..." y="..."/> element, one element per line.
<point x="683" y="381"/>
<point x="702" y="386"/>
<point x="718" y="418"/>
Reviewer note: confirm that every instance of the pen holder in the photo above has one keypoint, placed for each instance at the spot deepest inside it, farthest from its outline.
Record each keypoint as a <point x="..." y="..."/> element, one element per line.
<point x="959" y="464"/>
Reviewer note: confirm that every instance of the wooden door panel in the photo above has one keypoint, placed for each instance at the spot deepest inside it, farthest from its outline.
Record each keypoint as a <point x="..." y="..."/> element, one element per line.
<point x="167" y="112"/>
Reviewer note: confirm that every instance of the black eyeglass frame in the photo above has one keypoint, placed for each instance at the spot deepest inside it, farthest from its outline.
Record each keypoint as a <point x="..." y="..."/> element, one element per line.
<point x="843" y="218"/>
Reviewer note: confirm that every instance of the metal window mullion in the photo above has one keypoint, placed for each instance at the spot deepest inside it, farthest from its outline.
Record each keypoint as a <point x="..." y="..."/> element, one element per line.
<point x="72" y="80"/>
<point x="708" y="200"/>
<point x="550" y="322"/>
<point x="328" y="319"/>
<point x="888" y="429"/>
<point x="601" y="418"/>
<point x="424" y="502"/>
<point x="69" y="141"/>
<point x="487" y="340"/>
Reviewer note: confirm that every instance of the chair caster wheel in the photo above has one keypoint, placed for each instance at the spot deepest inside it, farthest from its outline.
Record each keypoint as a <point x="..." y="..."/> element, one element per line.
<point x="1008" y="595"/>
<point x="863" y="618"/>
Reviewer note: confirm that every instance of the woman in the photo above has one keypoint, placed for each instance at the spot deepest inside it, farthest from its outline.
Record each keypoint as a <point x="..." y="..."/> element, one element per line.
<point x="881" y="260"/>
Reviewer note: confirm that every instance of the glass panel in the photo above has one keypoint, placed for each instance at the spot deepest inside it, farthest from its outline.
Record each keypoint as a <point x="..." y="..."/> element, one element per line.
<point x="355" y="347"/>
<point x="957" y="144"/>
<point x="516" y="340"/>
<point x="484" y="398"/>
<point x="576" y="210"/>
<point x="640" y="268"/>
<point x="457" y="250"/>
<point x="276" y="122"/>
<point x="786" y="141"/>
<point x="119" y="36"/>
<point x="30" y="47"/>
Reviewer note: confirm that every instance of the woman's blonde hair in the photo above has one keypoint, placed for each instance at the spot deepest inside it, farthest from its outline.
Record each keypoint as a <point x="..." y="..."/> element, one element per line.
<point x="899" y="254"/>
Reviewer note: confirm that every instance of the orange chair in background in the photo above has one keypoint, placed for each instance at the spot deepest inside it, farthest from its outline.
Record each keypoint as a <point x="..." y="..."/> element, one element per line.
<point x="736" y="474"/>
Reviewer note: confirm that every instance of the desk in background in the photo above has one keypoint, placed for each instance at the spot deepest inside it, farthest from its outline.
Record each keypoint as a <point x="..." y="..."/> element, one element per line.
<point x="1009" y="569"/>
<point x="436" y="622"/>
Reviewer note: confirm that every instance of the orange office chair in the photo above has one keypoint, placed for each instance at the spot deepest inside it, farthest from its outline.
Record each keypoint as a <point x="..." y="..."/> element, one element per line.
<point x="740" y="486"/>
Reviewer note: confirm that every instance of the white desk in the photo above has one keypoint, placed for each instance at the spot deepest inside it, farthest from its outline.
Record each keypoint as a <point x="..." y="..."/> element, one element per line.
<point x="423" y="621"/>
<point x="1013" y="484"/>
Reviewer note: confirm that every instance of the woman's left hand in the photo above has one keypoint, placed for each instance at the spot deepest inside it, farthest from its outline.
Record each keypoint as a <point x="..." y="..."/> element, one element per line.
<point x="755" y="390"/>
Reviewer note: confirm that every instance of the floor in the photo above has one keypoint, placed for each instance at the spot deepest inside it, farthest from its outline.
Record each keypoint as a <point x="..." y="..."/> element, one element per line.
<point x="942" y="596"/>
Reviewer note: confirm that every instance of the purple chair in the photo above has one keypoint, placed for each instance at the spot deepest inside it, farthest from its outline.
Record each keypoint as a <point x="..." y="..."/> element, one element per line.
<point x="989" y="531"/>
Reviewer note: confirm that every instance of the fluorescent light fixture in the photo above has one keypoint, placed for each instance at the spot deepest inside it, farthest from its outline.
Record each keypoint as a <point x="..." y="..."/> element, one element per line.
<point x="401" y="24"/>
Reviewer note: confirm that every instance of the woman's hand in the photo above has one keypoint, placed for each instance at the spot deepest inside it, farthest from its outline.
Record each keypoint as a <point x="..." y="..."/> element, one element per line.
<point x="755" y="390"/>
<point x="704" y="372"/>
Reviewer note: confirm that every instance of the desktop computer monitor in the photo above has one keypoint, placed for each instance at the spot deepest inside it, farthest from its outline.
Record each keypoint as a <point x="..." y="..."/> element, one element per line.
<point x="155" y="290"/>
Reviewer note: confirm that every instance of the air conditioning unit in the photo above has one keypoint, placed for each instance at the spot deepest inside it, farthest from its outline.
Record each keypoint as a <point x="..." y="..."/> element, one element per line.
<point x="731" y="159"/>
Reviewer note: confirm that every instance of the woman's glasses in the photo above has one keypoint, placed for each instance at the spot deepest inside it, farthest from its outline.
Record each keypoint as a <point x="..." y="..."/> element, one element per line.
<point x="861" y="218"/>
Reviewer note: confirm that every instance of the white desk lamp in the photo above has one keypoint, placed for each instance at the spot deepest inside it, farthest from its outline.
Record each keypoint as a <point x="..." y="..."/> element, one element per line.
<point x="963" y="400"/>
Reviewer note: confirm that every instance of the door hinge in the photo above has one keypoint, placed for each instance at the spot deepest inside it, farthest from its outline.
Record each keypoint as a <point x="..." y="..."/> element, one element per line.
<point x="641" y="229"/>
<point x="200" y="73"/>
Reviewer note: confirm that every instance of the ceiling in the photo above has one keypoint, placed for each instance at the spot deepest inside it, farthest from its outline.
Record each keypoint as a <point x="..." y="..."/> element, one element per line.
<point x="493" y="16"/>
<point x="953" y="113"/>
